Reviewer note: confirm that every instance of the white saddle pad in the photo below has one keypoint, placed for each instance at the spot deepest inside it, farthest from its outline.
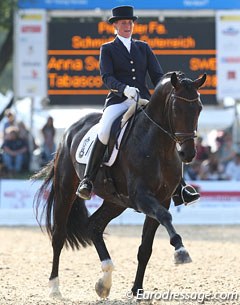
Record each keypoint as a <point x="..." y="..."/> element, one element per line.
<point x="85" y="146"/>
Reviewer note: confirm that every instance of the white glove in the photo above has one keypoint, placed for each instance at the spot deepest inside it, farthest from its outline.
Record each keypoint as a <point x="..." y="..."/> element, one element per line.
<point x="130" y="92"/>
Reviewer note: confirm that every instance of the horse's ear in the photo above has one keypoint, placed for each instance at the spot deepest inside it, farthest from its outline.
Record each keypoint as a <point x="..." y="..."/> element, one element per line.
<point x="200" y="81"/>
<point x="174" y="80"/>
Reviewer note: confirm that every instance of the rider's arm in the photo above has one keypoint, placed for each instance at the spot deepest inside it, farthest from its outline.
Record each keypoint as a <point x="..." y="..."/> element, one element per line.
<point x="155" y="70"/>
<point x="107" y="72"/>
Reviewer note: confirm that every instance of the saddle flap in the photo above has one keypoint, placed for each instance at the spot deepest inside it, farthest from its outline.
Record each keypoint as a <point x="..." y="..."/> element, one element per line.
<point x="85" y="146"/>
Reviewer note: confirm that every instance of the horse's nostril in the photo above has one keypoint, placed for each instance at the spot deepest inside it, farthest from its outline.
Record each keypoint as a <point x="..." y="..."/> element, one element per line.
<point x="181" y="154"/>
<point x="186" y="158"/>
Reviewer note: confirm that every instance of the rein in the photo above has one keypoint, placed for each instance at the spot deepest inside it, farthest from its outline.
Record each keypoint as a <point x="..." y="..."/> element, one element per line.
<point x="132" y="121"/>
<point x="135" y="112"/>
<point x="175" y="135"/>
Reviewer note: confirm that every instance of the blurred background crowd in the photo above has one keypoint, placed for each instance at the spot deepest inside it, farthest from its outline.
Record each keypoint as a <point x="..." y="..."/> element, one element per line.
<point x="21" y="153"/>
<point x="223" y="163"/>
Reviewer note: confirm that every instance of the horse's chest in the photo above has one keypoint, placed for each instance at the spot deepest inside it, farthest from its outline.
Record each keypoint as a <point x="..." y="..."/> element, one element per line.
<point x="170" y="165"/>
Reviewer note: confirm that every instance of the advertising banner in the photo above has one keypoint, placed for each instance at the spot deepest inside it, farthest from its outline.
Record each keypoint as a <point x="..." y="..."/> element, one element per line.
<point x="17" y="194"/>
<point x="219" y="204"/>
<point x="228" y="54"/>
<point x="30" y="53"/>
<point x="138" y="4"/>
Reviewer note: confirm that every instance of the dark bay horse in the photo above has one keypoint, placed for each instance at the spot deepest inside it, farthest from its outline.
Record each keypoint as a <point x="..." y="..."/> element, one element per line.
<point x="145" y="175"/>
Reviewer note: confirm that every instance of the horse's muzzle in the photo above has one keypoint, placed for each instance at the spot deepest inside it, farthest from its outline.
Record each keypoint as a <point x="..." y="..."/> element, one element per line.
<point x="187" y="152"/>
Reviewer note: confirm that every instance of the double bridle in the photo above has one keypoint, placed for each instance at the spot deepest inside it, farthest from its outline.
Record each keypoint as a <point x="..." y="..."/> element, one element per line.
<point x="178" y="137"/>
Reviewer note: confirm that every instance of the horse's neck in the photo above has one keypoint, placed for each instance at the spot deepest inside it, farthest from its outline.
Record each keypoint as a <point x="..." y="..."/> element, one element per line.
<point x="157" y="109"/>
<point x="155" y="119"/>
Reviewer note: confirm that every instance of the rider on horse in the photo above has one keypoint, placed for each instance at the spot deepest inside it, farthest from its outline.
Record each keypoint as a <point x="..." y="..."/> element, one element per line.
<point x="124" y="64"/>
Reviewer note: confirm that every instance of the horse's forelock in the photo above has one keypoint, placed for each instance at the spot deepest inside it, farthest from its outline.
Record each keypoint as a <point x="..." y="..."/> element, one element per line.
<point x="164" y="85"/>
<point x="180" y="74"/>
<point x="184" y="81"/>
<point x="187" y="83"/>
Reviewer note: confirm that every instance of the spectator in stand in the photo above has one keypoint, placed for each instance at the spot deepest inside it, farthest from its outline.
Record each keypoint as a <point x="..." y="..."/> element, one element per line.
<point x="226" y="151"/>
<point x="202" y="151"/>
<point x="192" y="170"/>
<point x="49" y="146"/>
<point x="11" y="121"/>
<point x="14" y="149"/>
<point x="232" y="171"/>
<point x="26" y="135"/>
<point x="212" y="169"/>
<point x="219" y="139"/>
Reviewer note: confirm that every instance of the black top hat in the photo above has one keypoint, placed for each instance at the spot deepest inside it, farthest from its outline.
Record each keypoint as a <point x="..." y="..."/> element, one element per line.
<point x="122" y="12"/>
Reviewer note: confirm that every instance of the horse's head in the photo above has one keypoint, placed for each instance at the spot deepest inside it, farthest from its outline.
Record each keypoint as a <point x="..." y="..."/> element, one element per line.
<point x="183" y="112"/>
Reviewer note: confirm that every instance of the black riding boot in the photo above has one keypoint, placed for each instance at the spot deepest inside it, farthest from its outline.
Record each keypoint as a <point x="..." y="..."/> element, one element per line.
<point x="85" y="187"/>
<point x="185" y="194"/>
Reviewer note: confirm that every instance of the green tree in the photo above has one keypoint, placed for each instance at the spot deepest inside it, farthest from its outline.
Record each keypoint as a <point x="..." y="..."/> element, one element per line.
<point x="7" y="9"/>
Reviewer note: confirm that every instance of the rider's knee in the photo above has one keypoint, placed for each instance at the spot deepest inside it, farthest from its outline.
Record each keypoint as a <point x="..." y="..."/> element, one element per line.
<point x="103" y="137"/>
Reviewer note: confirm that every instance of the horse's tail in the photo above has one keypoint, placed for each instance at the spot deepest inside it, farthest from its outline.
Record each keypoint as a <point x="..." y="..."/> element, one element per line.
<point x="78" y="217"/>
<point x="77" y="233"/>
<point x="45" y="193"/>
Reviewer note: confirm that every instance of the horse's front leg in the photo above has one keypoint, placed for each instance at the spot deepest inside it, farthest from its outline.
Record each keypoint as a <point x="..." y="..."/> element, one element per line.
<point x="181" y="255"/>
<point x="97" y="223"/>
<point x="144" y="251"/>
<point x="150" y="206"/>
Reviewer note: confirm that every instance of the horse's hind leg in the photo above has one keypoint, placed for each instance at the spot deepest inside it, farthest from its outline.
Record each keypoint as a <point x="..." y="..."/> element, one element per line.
<point x="144" y="251"/>
<point x="97" y="223"/>
<point x="64" y="195"/>
<point x="58" y="239"/>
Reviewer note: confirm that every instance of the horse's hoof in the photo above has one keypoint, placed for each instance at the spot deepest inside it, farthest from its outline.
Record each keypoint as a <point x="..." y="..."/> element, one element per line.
<point x="54" y="288"/>
<point x="55" y="295"/>
<point x="181" y="256"/>
<point x="101" y="290"/>
<point x="134" y="292"/>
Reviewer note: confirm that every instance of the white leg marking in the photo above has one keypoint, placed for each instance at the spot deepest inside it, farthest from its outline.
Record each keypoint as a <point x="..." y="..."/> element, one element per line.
<point x="181" y="256"/>
<point x="107" y="268"/>
<point x="54" y="288"/>
<point x="180" y="249"/>
<point x="104" y="284"/>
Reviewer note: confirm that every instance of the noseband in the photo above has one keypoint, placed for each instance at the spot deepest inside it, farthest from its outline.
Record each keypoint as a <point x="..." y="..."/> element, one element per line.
<point x="178" y="137"/>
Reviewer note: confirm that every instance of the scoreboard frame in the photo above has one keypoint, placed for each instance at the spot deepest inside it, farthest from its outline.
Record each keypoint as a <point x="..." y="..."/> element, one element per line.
<point x="186" y="44"/>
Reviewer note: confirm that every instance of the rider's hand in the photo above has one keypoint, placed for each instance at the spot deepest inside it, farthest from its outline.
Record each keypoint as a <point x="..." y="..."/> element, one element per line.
<point x="130" y="92"/>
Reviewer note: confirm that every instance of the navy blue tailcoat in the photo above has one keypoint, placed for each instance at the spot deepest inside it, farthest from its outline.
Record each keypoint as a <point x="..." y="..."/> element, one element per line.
<point x="120" y="68"/>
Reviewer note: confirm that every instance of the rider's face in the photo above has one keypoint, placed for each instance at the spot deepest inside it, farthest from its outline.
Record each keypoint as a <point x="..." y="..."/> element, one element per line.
<point x="124" y="28"/>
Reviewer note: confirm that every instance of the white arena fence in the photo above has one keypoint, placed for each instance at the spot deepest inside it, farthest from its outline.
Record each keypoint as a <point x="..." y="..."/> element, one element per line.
<point x="219" y="204"/>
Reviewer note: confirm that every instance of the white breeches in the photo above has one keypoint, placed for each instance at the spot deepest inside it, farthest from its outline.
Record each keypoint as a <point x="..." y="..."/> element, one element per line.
<point x="108" y="117"/>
